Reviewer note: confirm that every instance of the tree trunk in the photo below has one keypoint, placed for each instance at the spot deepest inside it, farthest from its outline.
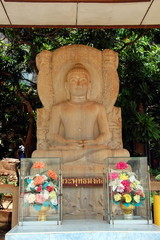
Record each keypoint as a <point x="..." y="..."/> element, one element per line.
<point x="29" y="142"/>
<point x="140" y="148"/>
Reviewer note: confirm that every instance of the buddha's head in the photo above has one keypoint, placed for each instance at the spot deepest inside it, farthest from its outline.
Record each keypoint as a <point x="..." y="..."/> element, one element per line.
<point x="77" y="81"/>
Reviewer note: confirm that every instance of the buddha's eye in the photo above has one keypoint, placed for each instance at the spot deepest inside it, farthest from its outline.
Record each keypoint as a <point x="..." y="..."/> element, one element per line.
<point x="82" y="80"/>
<point x="73" y="80"/>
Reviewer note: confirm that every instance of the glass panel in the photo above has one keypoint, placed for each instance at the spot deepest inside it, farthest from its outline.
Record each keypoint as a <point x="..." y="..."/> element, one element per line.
<point x="127" y="190"/>
<point x="40" y="191"/>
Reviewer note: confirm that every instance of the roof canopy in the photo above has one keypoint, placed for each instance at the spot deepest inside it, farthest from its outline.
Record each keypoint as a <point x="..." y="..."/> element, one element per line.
<point x="91" y="13"/>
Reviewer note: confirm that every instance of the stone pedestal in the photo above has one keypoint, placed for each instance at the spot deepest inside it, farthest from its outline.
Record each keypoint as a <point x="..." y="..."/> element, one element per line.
<point x="83" y="190"/>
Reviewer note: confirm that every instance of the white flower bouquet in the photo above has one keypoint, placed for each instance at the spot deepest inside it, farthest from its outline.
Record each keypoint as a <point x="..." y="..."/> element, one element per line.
<point x="41" y="189"/>
<point x="125" y="187"/>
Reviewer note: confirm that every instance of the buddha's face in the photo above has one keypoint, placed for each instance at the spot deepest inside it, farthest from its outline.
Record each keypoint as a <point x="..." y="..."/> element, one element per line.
<point x="77" y="83"/>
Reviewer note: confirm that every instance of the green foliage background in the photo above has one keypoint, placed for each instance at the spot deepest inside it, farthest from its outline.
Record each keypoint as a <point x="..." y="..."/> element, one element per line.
<point x="139" y="62"/>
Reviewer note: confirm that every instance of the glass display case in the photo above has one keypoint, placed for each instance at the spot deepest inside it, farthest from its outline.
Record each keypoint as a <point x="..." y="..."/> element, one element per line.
<point x="127" y="191"/>
<point x="40" y="191"/>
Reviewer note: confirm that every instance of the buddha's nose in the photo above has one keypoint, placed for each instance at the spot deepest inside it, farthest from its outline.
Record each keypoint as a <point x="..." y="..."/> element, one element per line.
<point x="78" y="83"/>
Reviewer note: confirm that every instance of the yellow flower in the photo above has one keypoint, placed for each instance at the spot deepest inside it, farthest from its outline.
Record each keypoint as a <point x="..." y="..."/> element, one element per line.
<point x="117" y="197"/>
<point x="123" y="176"/>
<point x="127" y="198"/>
<point x="133" y="185"/>
<point x="136" y="198"/>
<point x="52" y="194"/>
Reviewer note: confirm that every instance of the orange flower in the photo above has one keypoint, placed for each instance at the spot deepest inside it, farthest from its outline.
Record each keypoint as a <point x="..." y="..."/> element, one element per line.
<point x="39" y="180"/>
<point x="52" y="174"/>
<point x="39" y="165"/>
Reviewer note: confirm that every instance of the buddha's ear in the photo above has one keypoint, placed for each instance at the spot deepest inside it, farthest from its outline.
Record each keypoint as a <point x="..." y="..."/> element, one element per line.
<point x="67" y="90"/>
<point x="89" y="91"/>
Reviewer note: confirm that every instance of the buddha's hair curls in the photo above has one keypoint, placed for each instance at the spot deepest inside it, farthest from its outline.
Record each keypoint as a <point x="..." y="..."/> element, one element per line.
<point x="78" y="68"/>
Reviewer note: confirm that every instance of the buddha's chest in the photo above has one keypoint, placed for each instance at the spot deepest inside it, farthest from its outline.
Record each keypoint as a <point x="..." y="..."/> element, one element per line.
<point x="79" y="117"/>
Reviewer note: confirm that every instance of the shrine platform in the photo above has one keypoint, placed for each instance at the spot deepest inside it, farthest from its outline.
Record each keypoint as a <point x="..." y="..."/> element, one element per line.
<point x="85" y="230"/>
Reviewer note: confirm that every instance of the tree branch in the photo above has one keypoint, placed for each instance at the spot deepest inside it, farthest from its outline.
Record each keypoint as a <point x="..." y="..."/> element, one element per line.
<point x="134" y="41"/>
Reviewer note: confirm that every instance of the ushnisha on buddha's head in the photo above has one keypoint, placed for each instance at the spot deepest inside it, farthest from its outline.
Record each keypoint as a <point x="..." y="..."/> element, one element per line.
<point x="77" y="81"/>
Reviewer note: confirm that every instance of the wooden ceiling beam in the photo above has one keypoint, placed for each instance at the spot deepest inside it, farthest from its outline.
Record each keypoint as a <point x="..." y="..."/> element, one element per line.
<point x="78" y="1"/>
<point x="82" y="26"/>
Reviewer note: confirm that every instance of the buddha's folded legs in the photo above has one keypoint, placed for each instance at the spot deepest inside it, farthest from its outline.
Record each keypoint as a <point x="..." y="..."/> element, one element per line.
<point x="91" y="155"/>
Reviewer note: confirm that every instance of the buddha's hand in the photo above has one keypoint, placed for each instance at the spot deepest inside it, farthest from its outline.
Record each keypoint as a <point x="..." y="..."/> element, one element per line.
<point x="94" y="144"/>
<point x="90" y="142"/>
<point x="74" y="143"/>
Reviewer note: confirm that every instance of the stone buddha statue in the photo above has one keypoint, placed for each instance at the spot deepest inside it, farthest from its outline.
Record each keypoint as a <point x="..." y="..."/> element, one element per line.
<point x="78" y="86"/>
<point x="76" y="124"/>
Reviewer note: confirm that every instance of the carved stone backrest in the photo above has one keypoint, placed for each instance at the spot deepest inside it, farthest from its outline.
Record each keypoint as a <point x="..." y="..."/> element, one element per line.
<point x="102" y="68"/>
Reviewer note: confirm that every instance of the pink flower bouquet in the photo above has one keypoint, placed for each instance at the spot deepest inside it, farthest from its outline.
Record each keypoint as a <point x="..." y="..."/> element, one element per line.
<point x="125" y="187"/>
<point x="41" y="189"/>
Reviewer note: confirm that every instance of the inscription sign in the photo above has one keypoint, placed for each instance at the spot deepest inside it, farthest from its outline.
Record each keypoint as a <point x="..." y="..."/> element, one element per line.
<point x="82" y="182"/>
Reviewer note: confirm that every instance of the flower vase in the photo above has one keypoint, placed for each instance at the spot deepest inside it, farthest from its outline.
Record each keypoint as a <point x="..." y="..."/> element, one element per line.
<point x="42" y="214"/>
<point x="128" y="211"/>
